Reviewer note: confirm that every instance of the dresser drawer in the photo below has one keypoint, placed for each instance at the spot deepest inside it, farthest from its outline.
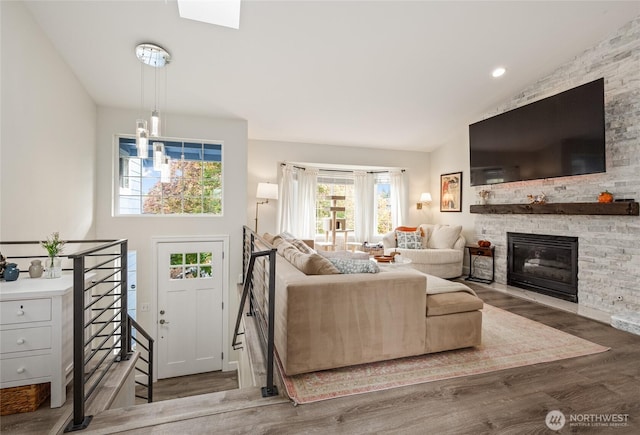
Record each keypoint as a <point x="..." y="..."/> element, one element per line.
<point x="23" y="311"/>
<point x="18" y="369"/>
<point x="18" y="340"/>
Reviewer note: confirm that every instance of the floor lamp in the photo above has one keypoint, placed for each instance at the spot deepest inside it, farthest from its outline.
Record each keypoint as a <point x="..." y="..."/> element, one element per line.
<point x="265" y="191"/>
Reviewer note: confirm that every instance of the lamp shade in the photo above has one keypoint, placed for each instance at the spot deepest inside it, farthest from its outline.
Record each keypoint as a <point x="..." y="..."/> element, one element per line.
<point x="425" y="197"/>
<point x="267" y="191"/>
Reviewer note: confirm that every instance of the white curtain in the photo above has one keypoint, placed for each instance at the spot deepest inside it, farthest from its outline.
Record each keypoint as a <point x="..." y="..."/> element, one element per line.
<point x="398" y="198"/>
<point x="297" y="201"/>
<point x="286" y="199"/>
<point x="365" y="207"/>
<point x="306" y="204"/>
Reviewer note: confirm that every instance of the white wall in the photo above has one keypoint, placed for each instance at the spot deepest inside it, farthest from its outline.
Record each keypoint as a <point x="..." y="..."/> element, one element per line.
<point x="264" y="166"/>
<point x="47" y="145"/>
<point x="453" y="157"/>
<point x="140" y="230"/>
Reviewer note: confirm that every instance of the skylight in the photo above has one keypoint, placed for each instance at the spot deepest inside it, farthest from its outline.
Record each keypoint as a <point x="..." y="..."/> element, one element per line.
<point x="219" y="12"/>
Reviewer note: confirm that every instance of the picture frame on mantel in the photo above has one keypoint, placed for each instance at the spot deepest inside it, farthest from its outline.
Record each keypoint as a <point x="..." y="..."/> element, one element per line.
<point x="451" y="192"/>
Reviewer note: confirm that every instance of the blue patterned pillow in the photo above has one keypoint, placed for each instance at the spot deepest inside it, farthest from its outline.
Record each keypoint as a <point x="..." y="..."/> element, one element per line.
<point x="350" y="265"/>
<point x="409" y="239"/>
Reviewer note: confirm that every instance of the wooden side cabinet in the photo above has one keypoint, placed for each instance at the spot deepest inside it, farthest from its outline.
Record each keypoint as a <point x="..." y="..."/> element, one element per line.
<point x="36" y="317"/>
<point x="474" y="253"/>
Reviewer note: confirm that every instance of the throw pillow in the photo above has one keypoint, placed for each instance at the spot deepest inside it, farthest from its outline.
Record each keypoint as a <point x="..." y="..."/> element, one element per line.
<point x="409" y="239"/>
<point x="406" y="228"/>
<point x="350" y="265"/>
<point x="309" y="264"/>
<point x="427" y="229"/>
<point x="268" y="237"/>
<point x="302" y="246"/>
<point x="444" y="236"/>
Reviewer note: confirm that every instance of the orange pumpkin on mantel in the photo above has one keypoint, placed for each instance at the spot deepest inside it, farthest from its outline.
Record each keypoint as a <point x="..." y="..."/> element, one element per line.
<point x="605" y="197"/>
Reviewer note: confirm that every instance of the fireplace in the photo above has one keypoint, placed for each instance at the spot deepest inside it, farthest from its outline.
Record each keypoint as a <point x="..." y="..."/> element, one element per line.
<point x="544" y="264"/>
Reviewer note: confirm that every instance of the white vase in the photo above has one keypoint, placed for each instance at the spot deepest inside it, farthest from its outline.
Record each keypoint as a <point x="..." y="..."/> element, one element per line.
<point x="53" y="267"/>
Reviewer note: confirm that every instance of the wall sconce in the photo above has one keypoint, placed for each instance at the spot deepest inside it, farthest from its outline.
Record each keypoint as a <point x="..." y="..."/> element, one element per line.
<point x="265" y="191"/>
<point x="425" y="198"/>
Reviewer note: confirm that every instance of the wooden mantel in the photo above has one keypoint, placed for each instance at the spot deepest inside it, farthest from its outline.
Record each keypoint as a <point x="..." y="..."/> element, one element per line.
<point x="568" y="208"/>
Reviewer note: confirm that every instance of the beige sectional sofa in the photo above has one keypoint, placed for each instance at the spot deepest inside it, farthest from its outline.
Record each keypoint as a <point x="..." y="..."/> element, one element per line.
<point x="441" y="252"/>
<point x="336" y="320"/>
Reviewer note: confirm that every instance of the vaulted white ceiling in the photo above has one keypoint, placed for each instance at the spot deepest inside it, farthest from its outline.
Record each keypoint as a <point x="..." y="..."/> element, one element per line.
<point x="391" y="74"/>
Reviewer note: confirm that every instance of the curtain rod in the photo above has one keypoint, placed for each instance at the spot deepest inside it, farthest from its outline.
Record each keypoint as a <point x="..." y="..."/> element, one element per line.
<point x="340" y="170"/>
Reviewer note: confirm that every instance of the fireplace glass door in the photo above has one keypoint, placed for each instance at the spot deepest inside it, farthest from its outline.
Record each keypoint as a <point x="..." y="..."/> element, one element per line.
<point x="543" y="263"/>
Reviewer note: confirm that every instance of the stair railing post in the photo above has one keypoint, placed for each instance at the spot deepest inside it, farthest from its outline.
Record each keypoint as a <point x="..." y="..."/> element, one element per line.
<point x="125" y="347"/>
<point x="79" y="420"/>
<point x="271" y="389"/>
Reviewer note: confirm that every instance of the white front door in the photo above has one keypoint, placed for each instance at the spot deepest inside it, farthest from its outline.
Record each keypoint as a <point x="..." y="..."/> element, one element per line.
<point x="190" y="322"/>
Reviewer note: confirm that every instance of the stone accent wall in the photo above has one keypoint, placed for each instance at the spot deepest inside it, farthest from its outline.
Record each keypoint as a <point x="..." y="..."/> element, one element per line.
<point x="609" y="246"/>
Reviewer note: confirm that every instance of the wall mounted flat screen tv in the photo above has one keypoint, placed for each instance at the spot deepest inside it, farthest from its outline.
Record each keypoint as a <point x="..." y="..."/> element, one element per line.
<point x="558" y="136"/>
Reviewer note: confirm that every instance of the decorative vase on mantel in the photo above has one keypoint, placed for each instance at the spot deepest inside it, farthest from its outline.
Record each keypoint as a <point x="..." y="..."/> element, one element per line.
<point x="53" y="267"/>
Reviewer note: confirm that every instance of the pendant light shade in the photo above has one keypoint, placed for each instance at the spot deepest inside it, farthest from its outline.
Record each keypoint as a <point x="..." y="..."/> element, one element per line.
<point x="142" y="142"/>
<point x="165" y="172"/>
<point x="158" y="156"/>
<point x="154" y="131"/>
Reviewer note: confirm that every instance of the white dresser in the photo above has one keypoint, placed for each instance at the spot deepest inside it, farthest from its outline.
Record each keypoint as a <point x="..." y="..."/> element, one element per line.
<point x="36" y="333"/>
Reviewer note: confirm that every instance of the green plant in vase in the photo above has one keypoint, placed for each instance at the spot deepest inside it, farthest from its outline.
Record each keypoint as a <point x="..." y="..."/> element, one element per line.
<point x="53" y="245"/>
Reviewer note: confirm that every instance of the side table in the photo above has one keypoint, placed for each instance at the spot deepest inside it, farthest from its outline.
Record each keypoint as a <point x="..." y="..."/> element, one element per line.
<point x="477" y="251"/>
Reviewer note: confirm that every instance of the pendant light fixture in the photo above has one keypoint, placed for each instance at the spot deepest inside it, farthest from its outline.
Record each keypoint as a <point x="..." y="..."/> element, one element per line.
<point x="157" y="57"/>
<point x="165" y="171"/>
<point x="158" y="155"/>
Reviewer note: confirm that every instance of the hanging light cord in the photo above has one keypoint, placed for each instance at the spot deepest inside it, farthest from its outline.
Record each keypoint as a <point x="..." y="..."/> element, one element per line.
<point x="141" y="89"/>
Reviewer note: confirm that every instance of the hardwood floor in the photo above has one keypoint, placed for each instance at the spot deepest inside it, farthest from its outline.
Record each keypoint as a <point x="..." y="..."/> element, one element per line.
<point x="45" y="418"/>
<point x="194" y="385"/>
<point x="513" y="401"/>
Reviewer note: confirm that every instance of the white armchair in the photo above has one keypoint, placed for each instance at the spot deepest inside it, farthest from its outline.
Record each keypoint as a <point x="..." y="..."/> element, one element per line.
<point x="441" y="254"/>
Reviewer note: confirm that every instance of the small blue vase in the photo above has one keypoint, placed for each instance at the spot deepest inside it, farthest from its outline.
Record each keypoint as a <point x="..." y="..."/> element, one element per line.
<point x="11" y="272"/>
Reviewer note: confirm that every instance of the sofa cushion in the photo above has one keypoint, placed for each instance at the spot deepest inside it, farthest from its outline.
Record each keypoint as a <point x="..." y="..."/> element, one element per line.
<point x="359" y="255"/>
<point x="449" y="303"/>
<point x="409" y="239"/>
<point x="444" y="236"/>
<point x="430" y="256"/>
<point x="350" y="265"/>
<point x="309" y="264"/>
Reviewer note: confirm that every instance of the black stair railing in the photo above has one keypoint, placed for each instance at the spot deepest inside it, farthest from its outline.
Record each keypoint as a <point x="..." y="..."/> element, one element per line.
<point x="259" y="290"/>
<point x="145" y="360"/>
<point x="103" y="332"/>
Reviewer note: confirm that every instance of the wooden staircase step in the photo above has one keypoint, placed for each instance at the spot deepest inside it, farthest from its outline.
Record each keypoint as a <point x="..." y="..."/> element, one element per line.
<point x="153" y="414"/>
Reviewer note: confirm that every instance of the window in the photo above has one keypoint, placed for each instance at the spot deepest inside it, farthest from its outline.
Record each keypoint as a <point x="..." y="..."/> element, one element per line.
<point x="193" y="185"/>
<point x="338" y="183"/>
<point x="382" y="200"/>
<point x="330" y="185"/>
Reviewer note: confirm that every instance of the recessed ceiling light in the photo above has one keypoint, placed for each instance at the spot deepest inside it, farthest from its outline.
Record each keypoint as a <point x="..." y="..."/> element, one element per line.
<point x="498" y="72"/>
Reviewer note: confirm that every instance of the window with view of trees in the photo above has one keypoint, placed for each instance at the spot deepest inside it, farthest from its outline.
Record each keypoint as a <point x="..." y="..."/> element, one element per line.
<point x="330" y="184"/>
<point x="191" y="185"/>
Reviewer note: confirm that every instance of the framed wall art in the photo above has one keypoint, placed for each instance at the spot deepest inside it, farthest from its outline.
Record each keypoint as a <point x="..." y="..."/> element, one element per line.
<point x="451" y="192"/>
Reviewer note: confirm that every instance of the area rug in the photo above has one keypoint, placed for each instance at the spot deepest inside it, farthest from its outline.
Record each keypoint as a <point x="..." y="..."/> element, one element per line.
<point x="508" y="341"/>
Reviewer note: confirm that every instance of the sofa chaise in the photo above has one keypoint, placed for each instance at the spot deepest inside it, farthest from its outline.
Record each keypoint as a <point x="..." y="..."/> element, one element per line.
<point x="325" y="321"/>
